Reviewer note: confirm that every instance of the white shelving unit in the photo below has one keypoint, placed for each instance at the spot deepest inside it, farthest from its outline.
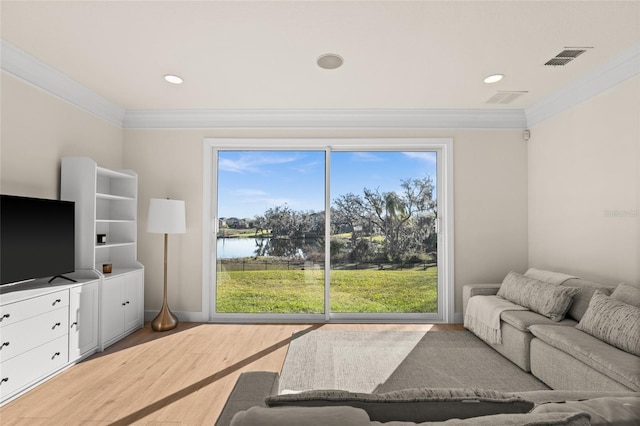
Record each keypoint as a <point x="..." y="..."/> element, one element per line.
<point x="106" y="203"/>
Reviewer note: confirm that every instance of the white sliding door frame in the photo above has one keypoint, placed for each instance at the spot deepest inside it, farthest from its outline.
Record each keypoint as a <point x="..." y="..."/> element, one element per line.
<point x="444" y="149"/>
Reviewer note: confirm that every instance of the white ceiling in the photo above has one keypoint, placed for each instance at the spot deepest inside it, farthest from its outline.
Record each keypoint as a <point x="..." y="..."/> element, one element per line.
<point x="261" y="54"/>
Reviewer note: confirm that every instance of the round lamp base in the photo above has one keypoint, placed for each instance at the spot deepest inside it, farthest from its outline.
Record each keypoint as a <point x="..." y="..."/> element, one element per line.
<point x="165" y="320"/>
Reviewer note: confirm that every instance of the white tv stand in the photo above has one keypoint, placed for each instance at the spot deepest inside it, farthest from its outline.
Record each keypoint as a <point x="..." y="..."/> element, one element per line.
<point x="47" y="327"/>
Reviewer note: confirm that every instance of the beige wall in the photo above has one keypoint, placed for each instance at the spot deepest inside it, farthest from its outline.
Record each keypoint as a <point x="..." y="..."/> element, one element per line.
<point x="490" y="170"/>
<point x="584" y="188"/>
<point x="38" y="129"/>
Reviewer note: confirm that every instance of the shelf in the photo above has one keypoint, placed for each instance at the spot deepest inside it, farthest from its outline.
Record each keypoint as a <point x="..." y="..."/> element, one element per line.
<point x="113" y="173"/>
<point x="113" y="197"/>
<point x="119" y="270"/>
<point x="108" y="206"/>
<point x="109" y="245"/>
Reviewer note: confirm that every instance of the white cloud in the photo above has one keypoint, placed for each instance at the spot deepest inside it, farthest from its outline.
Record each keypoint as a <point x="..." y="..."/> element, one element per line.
<point x="250" y="193"/>
<point x="253" y="162"/>
<point x="426" y="156"/>
<point x="366" y="156"/>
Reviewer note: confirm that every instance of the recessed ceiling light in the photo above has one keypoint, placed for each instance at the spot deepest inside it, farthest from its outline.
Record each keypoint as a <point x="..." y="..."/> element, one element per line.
<point x="174" y="79"/>
<point x="493" y="78"/>
<point x="330" y="61"/>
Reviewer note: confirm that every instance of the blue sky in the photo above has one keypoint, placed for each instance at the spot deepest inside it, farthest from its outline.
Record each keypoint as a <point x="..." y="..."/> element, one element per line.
<point x="250" y="182"/>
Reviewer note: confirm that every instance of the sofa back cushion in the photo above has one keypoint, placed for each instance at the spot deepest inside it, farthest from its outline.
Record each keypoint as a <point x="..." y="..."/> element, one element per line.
<point x="551" y="300"/>
<point x="583" y="297"/>
<point x="612" y="321"/>
<point x="348" y="416"/>
<point x="411" y="405"/>
<point x="603" y="411"/>
<point x="627" y="293"/>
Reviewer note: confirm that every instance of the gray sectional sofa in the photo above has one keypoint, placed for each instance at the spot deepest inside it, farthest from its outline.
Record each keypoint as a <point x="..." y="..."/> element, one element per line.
<point x="561" y="354"/>
<point x="581" y="338"/>
<point x="254" y="402"/>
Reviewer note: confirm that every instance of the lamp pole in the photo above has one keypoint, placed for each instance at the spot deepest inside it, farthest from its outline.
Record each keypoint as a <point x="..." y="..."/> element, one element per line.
<point x="165" y="320"/>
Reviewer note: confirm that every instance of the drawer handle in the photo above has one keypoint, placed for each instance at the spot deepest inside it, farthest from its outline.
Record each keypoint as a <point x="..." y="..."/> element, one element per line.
<point x="4" y="344"/>
<point x="127" y="302"/>
<point x="5" y="316"/>
<point x="56" y="301"/>
<point x="55" y="355"/>
<point x="4" y="379"/>
<point x="75" y="323"/>
<point x="56" y="325"/>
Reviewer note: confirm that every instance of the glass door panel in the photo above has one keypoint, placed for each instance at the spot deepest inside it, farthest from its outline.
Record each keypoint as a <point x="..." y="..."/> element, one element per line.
<point x="270" y="232"/>
<point x="383" y="241"/>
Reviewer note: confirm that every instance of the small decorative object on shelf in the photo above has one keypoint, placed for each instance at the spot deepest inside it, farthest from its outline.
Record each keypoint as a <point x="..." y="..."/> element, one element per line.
<point x="106" y="268"/>
<point x="102" y="239"/>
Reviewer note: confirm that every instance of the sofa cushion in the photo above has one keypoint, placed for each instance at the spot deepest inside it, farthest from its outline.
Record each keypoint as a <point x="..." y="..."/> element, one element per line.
<point x="620" y="411"/>
<point x="583" y="297"/>
<point x="547" y="276"/>
<point x="544" y="396"/>
<point x="550" y="300"/>
<point x="627" y="293"/>
<point x="529" y="419"/>
<point x="296" y="416"/>
<point x="522" y="320"/>
<point x="349" y="416"/>
<point x="620" y="366"/>
<point x="615" y="322"/>
<point x="411" y="405"/>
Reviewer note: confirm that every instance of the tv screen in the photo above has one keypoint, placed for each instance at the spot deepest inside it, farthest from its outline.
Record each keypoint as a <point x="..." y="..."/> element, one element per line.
<point x="37" y="238"/>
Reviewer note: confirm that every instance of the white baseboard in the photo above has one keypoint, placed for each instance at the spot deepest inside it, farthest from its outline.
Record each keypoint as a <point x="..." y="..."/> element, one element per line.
<point x="200" y="317"/>
<point x="182" y="316"/>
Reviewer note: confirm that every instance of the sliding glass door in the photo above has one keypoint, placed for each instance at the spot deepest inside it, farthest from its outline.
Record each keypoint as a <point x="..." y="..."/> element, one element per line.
<point x="270" y="238"/>
<point x="383" y="242"/>
<point x="324" y="233"/>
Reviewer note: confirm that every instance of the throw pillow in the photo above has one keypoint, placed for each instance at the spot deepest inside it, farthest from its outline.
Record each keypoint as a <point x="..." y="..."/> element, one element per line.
<point x="612" y="321"/>
<point x="411" y="405"/>
<point x="547" y="299"/>
<point x="613" y="411"/>
<point x="627" y="293"/>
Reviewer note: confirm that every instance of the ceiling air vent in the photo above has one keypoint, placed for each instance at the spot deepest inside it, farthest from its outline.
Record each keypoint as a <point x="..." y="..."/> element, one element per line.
<point x="566" y="56"/>
<point x="505" y="97"/>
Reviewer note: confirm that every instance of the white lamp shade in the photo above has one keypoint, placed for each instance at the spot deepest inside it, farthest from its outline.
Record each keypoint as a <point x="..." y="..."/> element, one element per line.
<point x="166" y="216"/>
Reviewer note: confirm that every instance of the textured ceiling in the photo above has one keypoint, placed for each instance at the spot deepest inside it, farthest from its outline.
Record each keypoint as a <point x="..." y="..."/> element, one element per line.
<point x="262" y="54"/>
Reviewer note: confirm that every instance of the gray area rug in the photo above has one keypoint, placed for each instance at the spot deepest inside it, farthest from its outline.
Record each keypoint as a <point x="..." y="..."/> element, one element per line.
<point x="383" y="361"/>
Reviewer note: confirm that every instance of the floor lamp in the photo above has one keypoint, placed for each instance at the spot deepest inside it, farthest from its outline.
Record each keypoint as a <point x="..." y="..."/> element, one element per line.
<point x="165" y="217"/>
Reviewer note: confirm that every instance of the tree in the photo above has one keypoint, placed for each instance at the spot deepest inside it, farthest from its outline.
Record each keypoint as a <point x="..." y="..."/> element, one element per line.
<point x="406" y="220"/>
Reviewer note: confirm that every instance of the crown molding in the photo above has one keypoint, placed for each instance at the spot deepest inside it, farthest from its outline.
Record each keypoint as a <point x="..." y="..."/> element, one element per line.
<point x="22" y="65"/>
<point x="607" y="75"/>
<point x="26" y="67"/>
<point x="327" y="118"/>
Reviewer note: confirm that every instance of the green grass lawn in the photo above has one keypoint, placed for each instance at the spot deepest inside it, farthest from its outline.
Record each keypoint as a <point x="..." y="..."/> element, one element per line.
<point x="302" y="291"/>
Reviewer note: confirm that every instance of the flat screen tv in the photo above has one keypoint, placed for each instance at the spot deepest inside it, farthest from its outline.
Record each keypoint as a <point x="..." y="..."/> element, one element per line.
<point x="37" y="238"/>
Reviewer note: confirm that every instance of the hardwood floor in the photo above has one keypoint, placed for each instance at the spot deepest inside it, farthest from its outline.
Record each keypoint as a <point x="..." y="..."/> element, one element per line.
<point x="181" y="377"/>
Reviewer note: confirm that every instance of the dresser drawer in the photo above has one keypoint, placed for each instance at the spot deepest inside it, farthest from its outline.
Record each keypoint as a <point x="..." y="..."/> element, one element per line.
<point x="26" y="369"/>
<point x="25" y="335"/>
<point x="18" y="311"/>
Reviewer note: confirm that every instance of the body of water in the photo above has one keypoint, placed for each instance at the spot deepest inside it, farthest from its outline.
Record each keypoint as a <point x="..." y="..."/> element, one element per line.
<point x="229" y="248"/>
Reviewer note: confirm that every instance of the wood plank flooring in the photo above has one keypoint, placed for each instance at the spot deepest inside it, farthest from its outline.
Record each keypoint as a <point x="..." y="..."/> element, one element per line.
<point x="181" y="377"/>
